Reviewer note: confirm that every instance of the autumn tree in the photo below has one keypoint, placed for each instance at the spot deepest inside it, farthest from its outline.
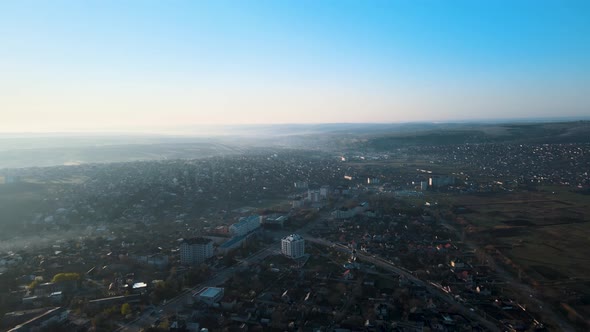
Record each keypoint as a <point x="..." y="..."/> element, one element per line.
<point x="125" y="309"/>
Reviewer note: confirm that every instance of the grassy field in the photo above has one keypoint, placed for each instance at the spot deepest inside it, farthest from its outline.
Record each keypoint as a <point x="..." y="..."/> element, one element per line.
<point x="547" y="228"/>
<point x="545" y="234"/>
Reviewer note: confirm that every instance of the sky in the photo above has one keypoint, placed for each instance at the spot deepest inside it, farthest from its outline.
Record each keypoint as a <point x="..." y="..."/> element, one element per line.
<point x="144" y="65"/>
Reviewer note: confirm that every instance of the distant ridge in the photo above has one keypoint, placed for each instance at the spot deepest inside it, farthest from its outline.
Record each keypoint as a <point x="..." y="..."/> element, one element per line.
<point x="55" y="149"/>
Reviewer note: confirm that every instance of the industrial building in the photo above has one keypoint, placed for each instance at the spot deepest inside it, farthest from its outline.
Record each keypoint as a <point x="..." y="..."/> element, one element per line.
<point x="245" y="225"/>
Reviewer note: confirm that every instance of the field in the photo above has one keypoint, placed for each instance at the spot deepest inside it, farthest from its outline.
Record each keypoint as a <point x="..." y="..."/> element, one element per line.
<point x="543" y="236"/>
<point x="18" y="201"/>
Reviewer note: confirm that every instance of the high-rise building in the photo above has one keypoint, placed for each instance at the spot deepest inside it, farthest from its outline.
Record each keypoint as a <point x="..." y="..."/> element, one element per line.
<point x="293" y="246"/>
<point x="195" y="251"/>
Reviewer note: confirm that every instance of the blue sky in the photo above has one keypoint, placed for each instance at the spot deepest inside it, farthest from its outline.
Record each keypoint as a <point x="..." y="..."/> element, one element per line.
<point x="155" y="65"/>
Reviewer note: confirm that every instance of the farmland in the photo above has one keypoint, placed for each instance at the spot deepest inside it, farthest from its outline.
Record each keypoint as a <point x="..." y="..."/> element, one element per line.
<point x="541" y="237"/>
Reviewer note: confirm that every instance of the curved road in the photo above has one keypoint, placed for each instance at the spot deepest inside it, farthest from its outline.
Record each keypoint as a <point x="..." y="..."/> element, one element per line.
<point x="403" y="272"/>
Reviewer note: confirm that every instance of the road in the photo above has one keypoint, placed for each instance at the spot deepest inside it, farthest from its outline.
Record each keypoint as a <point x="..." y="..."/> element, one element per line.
<point x="408" y="275"/>
<point x="177" y="303"/>
<point x="219" y="277"/>
<point x="527" y="292"/>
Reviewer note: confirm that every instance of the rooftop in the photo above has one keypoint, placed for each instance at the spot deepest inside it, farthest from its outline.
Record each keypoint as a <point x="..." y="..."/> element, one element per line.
<point x="232" y="241"/>
<point x="138" y="285"/>
<point x="293" y="237"/>
<point x="248" y="219"/>
<point x="276" y="218"/>
<point x="197" y="240"/>
<point x="210" y="292"/>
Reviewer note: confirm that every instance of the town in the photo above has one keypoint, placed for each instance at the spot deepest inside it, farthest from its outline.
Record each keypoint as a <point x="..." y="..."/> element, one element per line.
<point x="281" y="240"/>
<point x="300" y="166"/>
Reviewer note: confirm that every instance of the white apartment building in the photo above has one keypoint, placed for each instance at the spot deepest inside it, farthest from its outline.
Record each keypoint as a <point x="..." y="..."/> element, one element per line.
<point x="293" y="246"/>
<point x="195" y="251"/>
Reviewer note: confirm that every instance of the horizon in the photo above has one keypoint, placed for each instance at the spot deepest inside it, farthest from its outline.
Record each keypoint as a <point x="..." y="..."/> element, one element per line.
<point x="25" y="150"/>
<point x="155" y="67"/>
<point x="221" y="130"/>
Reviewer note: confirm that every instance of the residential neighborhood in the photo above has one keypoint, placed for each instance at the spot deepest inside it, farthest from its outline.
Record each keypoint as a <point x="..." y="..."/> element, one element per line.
<point x="352" y="253"/>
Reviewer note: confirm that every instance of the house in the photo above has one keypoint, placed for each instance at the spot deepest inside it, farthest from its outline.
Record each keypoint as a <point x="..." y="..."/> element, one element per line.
<point x="56" y="297"/>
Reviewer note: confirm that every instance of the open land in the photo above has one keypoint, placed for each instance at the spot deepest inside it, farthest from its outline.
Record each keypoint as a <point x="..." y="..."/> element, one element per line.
<point x="540" y="236"/>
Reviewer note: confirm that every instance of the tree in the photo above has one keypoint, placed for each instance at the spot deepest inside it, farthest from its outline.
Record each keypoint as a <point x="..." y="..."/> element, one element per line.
<point x="165" y="290"/>
<point x="229" y="258"/>
<point x="65" y="277"/>
<point x="125" y="309"/>
<point x="33" y="284"/>
<point x="195" y="276"/>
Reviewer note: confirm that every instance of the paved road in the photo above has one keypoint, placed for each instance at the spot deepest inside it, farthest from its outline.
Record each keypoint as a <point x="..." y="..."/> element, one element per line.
<point x="219" y="277"/>
<point x="177" y="303"/>
<point x="222" y="275"/>
<point x="408" y="275"/>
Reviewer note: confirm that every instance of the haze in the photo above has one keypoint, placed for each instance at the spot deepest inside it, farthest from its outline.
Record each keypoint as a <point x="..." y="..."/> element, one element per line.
<point x="294" y="165"/>
<point x="154" y="66"/>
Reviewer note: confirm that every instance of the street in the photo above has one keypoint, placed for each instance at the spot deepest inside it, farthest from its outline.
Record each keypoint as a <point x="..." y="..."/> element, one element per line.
<point x="402" y="272"/>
